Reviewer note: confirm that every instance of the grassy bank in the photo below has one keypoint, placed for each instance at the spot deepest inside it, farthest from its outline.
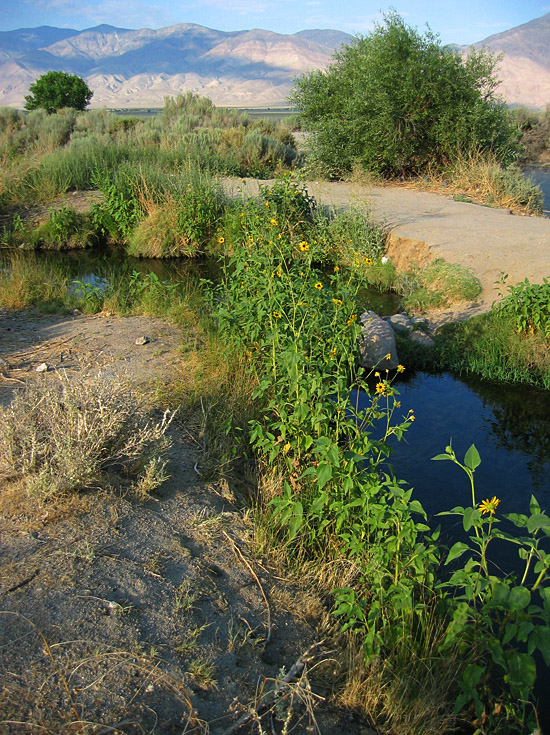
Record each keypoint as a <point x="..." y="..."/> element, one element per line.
<point x="509" y="344"/>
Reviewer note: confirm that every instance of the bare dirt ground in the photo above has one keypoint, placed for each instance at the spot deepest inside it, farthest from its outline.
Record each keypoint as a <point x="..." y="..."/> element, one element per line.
<point x="156" y="617"/>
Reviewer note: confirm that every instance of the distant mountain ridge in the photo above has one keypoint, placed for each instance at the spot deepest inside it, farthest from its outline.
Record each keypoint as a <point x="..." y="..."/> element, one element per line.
<point x="138" y="68"/>
<point x="256" y="68"/>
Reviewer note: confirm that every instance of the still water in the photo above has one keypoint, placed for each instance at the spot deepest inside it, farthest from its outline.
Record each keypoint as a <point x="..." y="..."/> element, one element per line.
<point x="541" y="176"/>
<point x="509" y="425"/>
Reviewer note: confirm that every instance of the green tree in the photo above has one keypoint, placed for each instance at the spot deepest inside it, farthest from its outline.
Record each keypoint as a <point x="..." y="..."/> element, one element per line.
<point x="396" y="101"/>
<point x="57" y="89"/>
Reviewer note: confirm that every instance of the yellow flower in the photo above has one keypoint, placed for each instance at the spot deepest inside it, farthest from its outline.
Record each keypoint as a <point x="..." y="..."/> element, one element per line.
<point x="400" y="369"/>
<point x="274" y="222"/>
<point x="304" y="246"/>
<point x="337" y="301"/>
<point x="277" y="315"/>
<point x="377" y="374"/>
<point x="250" y="238"/>
<point x="333" y="353"/>
<point x="388" y="356"/>
<point x="336" y="268"/>
<point x="367" y="261"/>
<point x="279" y="236"/>
<point x="489" y="506"/>
<point x="267" y="204"/>
<point x="221" y="240"/>
<point x="318" y="285"/>
<point x="286" y="448"/>
<point x="352" y="318"/>
<point x="380" y="388"/>
<point x="411" y="417"/>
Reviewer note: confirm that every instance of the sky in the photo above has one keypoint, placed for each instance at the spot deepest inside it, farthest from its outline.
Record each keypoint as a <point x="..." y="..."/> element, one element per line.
<point x="459" y="21"/>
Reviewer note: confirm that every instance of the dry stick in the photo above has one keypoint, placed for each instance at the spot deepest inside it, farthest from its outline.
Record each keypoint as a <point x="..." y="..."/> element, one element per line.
<point x="205" y="417"/>
<point x="238" y="553"/>
<point x="12" y="380"/>
<point x="295" y="672"/>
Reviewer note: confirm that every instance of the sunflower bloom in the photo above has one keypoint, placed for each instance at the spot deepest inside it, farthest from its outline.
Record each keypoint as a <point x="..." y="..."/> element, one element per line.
<point x="318" y="285"/>
<point x="337" y="301"/>
<point x="304" y="246"/>
<point x="380" y="388"/>
<point x="489" y="506"/>
<point x="277" y="315"/>
<point x="351" y="320"/>
<point x="221" y="240"/>
<point x="400" y="369"/>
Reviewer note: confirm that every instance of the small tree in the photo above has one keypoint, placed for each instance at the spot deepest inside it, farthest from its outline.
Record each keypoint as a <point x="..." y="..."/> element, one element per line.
<point x="395" y="101"/>
<point x="57" y="89"/>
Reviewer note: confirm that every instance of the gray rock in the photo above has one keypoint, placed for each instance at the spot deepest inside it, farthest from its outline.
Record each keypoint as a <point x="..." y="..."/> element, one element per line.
<point x="401" y="323"/>
<point x="421" y="338"/>
<point x="142" y="341"/>
<point x="42" y="368"/>
<point x="418" y="321"/>
<point x="377" y="342"/>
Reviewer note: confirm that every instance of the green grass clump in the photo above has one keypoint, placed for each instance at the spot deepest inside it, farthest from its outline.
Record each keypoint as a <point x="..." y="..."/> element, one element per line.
<point x="438" y="284"/>
<point x="488" y="346"/>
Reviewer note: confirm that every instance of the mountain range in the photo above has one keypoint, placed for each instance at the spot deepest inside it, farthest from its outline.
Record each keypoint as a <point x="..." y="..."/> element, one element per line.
<point x="138" y="68"/>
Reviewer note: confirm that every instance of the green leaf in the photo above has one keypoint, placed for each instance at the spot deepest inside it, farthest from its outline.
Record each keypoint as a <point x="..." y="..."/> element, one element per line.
<point x="534" y="507"/>
<point x="441" y="457"/>
<point x="324" y="473"/>
<point x="537" y="521"/>
<point x="472" y="458"/>
<point x="519" y="598"/>
<point x="469" y="518"/>
<point x="455" y="551"/>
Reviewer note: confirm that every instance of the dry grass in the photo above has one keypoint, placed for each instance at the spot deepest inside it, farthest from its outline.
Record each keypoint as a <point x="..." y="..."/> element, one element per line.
<point x="76" y="434"/>
<point x="405" y="694"/>
<point x="482" y="180"/>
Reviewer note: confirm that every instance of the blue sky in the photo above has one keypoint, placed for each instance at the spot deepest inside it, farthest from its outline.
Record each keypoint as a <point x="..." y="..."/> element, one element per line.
<point x="459" y="21"/>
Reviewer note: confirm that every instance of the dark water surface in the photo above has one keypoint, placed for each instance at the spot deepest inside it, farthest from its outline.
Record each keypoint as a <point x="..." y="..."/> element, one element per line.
<point x="541" y="176"/>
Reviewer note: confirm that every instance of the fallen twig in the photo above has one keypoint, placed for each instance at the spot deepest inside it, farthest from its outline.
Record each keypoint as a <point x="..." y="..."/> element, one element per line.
<point x="294" y="674"/>
<point x="238" y="553"/>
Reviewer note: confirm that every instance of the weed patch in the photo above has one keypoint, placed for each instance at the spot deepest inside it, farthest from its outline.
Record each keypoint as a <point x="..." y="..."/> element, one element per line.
<point x="74" y="435"/>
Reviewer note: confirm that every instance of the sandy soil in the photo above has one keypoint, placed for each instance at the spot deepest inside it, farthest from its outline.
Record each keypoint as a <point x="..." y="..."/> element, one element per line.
<point x="151" y="617"/>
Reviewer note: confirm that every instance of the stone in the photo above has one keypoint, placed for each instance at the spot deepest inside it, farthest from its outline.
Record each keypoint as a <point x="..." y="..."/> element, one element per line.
<point x="142" y="341"/>
<point x="42" y="368"/>
<point x="377" y="342"/>
<point x="418" y="321"/>
<point x="422" y="339"/>
<point x="401" y="323"/>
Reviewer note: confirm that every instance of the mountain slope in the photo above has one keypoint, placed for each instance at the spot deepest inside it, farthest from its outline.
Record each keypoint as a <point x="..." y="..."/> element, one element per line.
<point x="525" y="67"/>
<point x="134" y="68"/>
<point x="138" y="68"/>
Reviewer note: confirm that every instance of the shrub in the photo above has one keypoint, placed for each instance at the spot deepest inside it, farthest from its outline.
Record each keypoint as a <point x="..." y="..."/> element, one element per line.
<point x="76" y="434"/>
<point x="395" y="101"/>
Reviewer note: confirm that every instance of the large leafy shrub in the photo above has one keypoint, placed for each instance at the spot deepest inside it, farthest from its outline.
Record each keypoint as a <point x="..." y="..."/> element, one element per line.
<point x="397" y="100"/>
